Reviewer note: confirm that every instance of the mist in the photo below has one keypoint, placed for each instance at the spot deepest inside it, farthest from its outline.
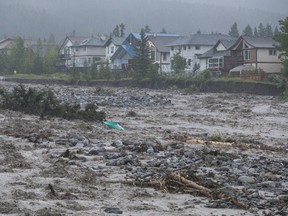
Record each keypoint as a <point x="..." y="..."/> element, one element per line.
<point x="40" y="18"/>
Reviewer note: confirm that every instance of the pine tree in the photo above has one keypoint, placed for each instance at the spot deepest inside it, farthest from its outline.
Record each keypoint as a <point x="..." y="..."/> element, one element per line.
<point x="268" y="31"/>
<point x="178" y="63"/>
<point x="282" y="39"/>
<point x="142" y="59"/>
<point x="276" y="31"/>
<point x="248" y="31"/>
<point x="256" y="32"/>
<point x="261" y="30"/>
<point x="234" y="30"/>
<point x="163" y="31"/>
<point x="116" y="31"/>
<point x="122" y="30"/>
<point x="147" y="29"/>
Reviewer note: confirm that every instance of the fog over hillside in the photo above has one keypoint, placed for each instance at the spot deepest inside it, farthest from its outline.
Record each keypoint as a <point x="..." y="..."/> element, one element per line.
<point x="40" y="18"/>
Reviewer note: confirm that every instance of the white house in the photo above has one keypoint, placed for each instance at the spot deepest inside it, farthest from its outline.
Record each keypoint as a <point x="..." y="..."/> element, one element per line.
<point x="88" y="51"/>
<point x="160" y="52"/>
<point x="66" y="51"/>
<point x="112" y="44"/>
<point x="219" y="59"/>
<point x="191" y="47"/>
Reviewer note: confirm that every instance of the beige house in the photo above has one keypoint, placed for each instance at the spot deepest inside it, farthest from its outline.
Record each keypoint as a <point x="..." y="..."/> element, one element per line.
<point x="259" y="53"/>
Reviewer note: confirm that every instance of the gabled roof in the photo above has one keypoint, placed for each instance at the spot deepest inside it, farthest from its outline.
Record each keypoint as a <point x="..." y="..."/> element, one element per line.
<point x="124" y="49"/>
<point x="6" y="43"/>
<point x="161" y="42"/>
<point x="227" y="43"/>
<point x="200" y="39"/>
<point x="256" y="42"/>
<point x="73" y="40"/>
<point x="116" y="40"/>
<point x="213" y="52"/>
<point x="93" y="41"/>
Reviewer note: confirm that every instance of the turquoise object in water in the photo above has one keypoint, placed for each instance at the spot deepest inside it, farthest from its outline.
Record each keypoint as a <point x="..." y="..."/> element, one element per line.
<point x="113" y="125"/>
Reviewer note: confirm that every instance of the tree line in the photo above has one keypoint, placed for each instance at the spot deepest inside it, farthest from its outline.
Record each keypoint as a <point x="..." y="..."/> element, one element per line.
<point x="23" y="59"/>
<point x="260" y="31"/>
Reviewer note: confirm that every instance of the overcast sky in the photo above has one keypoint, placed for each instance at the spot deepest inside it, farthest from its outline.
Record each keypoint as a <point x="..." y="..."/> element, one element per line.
<point x="278" y="6"/>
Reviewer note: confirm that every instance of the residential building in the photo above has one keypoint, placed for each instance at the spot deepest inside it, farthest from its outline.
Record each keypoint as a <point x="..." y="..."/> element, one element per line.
<point x="65" y="61"/>
<point x="160" y="52"/>
<point x="191" y="47"/>
<point x="218" y="59"/>
<point x="112" y="44"/>
<point x="88" y="51"/>
<point x="5" y="45"/>
<point x="258" y="52"/>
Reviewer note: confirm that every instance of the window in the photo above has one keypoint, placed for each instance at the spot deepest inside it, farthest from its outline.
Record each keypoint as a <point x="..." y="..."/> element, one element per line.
<point x="76" y="49"/>
<point x="247" y="54"/>
<point x="164" y="56"/>
<point x="189" y="47"/>
<point x="112" y="49"/>
<point x="84" y="48"/>
<point x="184" y="47"/>
<point x="172" y="48"/>
<point x="272" y="52"/>
<point x="197" y="47"/>
<point x="215" y="62"/>
<point x="189" y="62"/>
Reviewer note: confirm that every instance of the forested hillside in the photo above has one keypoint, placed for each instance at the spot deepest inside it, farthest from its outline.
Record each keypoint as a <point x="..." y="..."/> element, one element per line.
<point x="34" y="18"/>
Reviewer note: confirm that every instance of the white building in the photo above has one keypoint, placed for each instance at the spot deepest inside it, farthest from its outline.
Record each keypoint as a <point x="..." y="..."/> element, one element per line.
<point x="191" y="47"/>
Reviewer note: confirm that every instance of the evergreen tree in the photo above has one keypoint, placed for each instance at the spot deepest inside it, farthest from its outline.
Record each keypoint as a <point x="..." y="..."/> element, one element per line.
<point x="163" y="31"/>
<point x="248" y="31"/>
<point x="256" y="32"/>
<point x="122" y="30"/>
<point x="261" y="30"/>
<point x="147" y="29"/>
<point x="51" y="39"/>
<point x="276" y="31"/>
<point x="16" y="59"/>
<point x="142" y="60"/>
<point x="268" y="31"/>
<point x="234" y="30"/>
<point x="282" y="39"/>
<point x="178" y="63"/>
<point x="116" y="31"/>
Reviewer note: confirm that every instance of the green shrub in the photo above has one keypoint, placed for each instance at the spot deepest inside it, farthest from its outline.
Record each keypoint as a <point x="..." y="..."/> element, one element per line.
<point x="44" y="103"/>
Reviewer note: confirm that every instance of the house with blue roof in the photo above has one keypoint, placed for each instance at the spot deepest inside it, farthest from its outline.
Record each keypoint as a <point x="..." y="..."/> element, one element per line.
<point x="112" y="44"/>
<point x="160" y="53"/>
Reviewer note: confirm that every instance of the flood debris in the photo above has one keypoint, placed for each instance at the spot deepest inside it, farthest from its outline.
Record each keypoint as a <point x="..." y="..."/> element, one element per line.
<point x="220" y="154"/>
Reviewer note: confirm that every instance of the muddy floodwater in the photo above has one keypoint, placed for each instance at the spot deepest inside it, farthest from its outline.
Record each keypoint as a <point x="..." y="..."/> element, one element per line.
<point x="233" y="146"/>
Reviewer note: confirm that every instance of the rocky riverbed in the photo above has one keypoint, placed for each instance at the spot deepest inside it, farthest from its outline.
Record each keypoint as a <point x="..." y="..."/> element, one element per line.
<point x="180" y="154"/>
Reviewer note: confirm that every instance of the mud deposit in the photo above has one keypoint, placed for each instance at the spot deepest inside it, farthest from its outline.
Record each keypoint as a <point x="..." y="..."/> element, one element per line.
<point x="180" y="154"/>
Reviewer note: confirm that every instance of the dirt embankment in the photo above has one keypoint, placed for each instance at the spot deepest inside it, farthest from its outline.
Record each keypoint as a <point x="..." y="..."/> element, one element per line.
<point x="209" y="86"/>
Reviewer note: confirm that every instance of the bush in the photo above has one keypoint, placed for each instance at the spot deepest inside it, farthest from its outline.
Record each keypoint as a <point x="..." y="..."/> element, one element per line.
<point x="45" y="103"/>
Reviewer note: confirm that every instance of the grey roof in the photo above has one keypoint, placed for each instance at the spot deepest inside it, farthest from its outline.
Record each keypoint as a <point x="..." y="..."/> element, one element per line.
<point x="227" y="43"/>
<point x="93" y="41"/>
<point x="260" y="42"/>
<point x="200" y="39"/>
<point x="214" y="53"/>
<point x="161" y="42"/>
<point x="116" y="40"/>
